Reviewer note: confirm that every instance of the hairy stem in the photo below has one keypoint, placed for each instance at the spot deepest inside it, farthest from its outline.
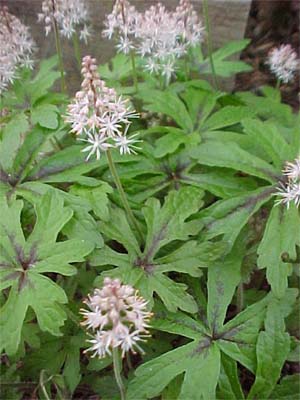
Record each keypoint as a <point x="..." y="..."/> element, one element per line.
<point x="134" y="73"/>
<point x="240" y="297"/>
<point x="126" y="205"/>
<point x="60" y="58"/>
<point x="117" y="371"/>
<point x="209" y="44"/>
<point x="278" y="84"/>
<point x="77" y="50"/>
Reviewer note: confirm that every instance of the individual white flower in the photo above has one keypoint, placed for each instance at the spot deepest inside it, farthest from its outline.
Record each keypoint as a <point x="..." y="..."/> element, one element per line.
<point x="168" y="69"/>
<point x="16" y="49"/>
<point x="283" y="62"/>
<point x="153" y="66"/>
<point x="69" y="15"/>
<point x="289" y="193"/>
<point x="125" y="45"/>
<point x="97" y="144"/>
<point x="85" y="33"/>
<point x="126" y="144"/>
<point x="292" y="170"/>
<point x="117" y="317"/>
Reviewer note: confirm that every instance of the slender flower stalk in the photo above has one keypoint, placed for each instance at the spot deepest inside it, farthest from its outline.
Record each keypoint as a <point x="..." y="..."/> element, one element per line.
<point x="77" y="49"/>
<point x="117" y="372"/>
<point x="134" y="72"/>
<point x="123" y="196"/>
<point x="103" y="119"/>
<point x="60" y="56"/>
<point x="209" y="44"/>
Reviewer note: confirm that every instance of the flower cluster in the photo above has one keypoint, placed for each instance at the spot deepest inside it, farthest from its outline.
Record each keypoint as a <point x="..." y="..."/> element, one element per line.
<point x="283" y="62"/>
<point x="17" y="47"/>
<point x="117" y="316"/>
<point x="122" y="22"/>
<point x="100" y="115"/>
<point x="158" y="35"/>
<point x="68" y="15"/>
<point x="290" y="191"/>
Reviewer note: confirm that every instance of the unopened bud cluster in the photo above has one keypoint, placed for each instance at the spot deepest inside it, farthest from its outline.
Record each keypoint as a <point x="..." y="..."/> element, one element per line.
<point x="117" y="318"/>
<point x="158" y="35"/>
<point x="69" y="15"/>
<point x="290" y="191"/>
<point x="16" y="47"/>
<point x="100" y="115"/>
<point x="283" y="62"/>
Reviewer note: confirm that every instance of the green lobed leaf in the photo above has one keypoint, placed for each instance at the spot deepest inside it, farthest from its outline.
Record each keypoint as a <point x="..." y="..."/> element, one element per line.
<point x="23" y="263"/>
<point x="13" y="136"/>
<point x="67" y="165"/>
<point x="281" y="236"/>
<point x="221" y="183"/>
<point x="229" y="386"/>
<point x="228" y="217"/>
<point x="169" y="104"/>
<point x="267" y="136"/>
<point x="287" y="389"/>
<point x="238" y="337"/>
<point x="200" y="104"/>
<point x="223" y="277"/>
<point x="167" y="223"/>
<point x="227" y="116"/>
<point x="199" y="361"/>
<point x="44" y="79"/>
<point x="230" y="155"/>
<point x="272" y="349"/>
<point x="146" y="270"/>
<point x="45" y="115"/>
<point x="97" y="197"/>
<point x="177" y="323"/>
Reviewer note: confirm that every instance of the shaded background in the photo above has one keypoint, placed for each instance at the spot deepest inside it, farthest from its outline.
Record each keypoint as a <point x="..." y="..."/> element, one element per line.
<point x="228" y="22"/>
<point x="267" y="23"/>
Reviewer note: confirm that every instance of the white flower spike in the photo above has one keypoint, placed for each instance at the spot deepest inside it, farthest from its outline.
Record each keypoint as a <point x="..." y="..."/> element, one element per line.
<point x="70" y="16"/>
<point x="283" y="62"/>
<point x="100" y="115"/>
<point x="117" y="317"/>
<point x="16" y="47"/>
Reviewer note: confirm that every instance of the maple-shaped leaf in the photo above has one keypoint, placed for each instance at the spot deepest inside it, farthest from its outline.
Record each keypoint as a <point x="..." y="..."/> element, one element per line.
<point x="167" y="227"/>
<point x="278" y="248"/>
<point x="210" y="356"/>
<point x="24" y="261"/>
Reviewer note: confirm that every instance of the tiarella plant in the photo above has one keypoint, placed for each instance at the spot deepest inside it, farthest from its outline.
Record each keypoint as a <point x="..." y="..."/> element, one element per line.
<point x="149" y="254"/>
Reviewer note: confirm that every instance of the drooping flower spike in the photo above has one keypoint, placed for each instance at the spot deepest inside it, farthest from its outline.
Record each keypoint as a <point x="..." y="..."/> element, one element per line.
<point x="117" y="317"/>
<point x="99" y="115"/>
<point x="69" y="15"/>
<point x="16" y="49"/>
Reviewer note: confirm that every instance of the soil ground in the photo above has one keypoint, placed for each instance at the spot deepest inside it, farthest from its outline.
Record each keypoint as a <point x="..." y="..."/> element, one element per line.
<point x="270" y="24"/>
